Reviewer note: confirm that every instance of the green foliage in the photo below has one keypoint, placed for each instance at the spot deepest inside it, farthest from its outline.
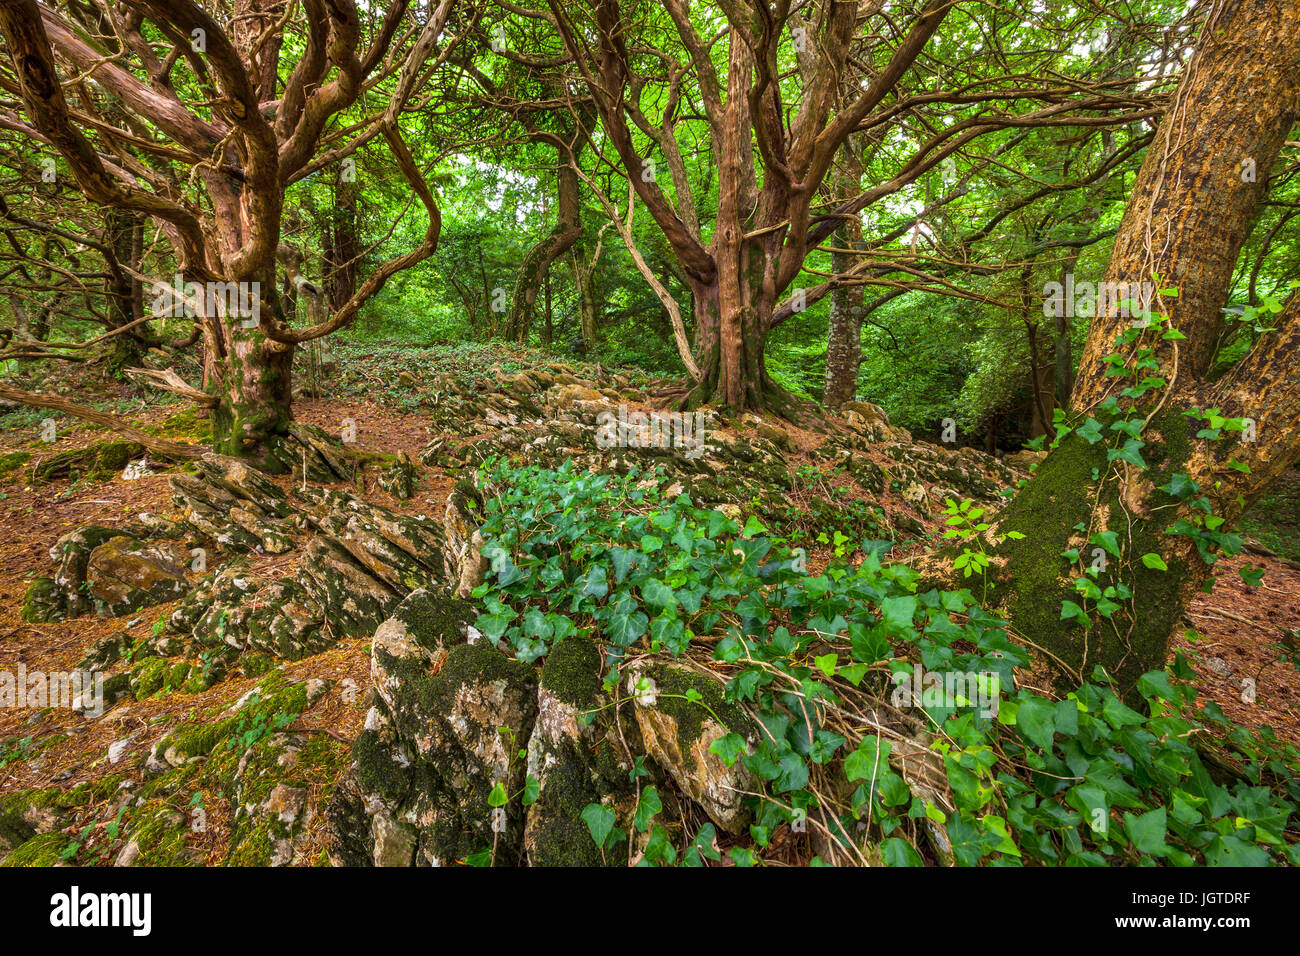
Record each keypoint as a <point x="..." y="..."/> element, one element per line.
<point x="1084" y="780"/>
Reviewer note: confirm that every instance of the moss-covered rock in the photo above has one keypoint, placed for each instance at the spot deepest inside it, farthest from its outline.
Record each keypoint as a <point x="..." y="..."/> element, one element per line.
<point x="94" y="461"/>
<point x="448" y="725"/>
<point x="44" y="602"/>
<point x="157" y="834"/>
<point x="678" y="732"/>
<point x="573" y="748"/>
<point x="12" y="461"/>
<point x="1060" y="508"/>
<point x="43" y="850"/>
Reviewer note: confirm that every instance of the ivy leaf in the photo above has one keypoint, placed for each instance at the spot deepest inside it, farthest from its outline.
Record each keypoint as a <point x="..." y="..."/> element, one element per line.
<point x="1108" y="540"/>
<point x="498" y="797"/>
<point x="658" y="594"/>
<point x="1154" y="562"/>
<point x="1036" y="719"/>
<point x="625" y="629"/>
<point x="1070" y="610"/>
<point x="646" y="808"/>
<point x="868" y="760"/>
<point x="1131" y="453"/>
<point x="596" y="582"/>
<point x="898" y="611"/>
<point x="623" y="560"/>
<point x="898" y="852"/>
<point x="1252" y="576"/>
<point x="1147" y="832"/>
<point x="826" y="663"/>
<point x="728" y="748"/>
<point x="1180" y="486"/>
<point x="600" y="822"/>
<point x="1090" y="430"/>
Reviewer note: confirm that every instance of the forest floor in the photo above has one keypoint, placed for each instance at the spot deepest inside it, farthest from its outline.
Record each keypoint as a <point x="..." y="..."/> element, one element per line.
<point x="1233" y="634"/>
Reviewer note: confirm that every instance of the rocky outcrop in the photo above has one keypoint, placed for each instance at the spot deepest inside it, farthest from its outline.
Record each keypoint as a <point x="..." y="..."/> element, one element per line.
<point x="398" y="479"/>
<point x="354" y="572"/>
<point x="469" y="753"/>
<point x="109" y="570"/>
<point x="550" y="415"/>
<point x="94" y="461"/>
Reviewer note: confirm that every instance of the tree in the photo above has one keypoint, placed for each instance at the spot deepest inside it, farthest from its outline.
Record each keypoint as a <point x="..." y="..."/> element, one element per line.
<point x="216" y="111"/>
<point x="773" y="134"/>
<point x="1163" y="457"/>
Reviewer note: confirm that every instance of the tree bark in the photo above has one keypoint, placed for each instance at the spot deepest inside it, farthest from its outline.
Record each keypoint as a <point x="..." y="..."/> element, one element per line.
<point x="342" y="246"/>
<point x="844" y="339"/>
<point x="124" y="294"/>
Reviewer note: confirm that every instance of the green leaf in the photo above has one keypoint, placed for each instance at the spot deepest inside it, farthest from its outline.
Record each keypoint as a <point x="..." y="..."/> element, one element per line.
<point x="626" y="629"/>
<point x="867" y="762"/>
<point x="898" y="611"/>
<point x="898" y="852"/>
<point x="1180" y="486"/>
<point x="826" y="663"/>
<point x="1131" y="453"/>
<point x="498" y="797"/>
<point x="728" y="748"/>
<point x="1036" y="719"/>
<point x="1154" y="561"/>
<point x="600" y="822"/>
<point x="1091" y="430"/>
<point x="1147" y="832"/>
<point x="1070" y="610"/>
<point x="646" y="808"/>
<point x="1108" y="540"/>
<point x="658" y="594"/>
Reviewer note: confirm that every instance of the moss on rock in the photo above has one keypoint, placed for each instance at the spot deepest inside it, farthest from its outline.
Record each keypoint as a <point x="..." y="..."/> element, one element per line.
<point x="43" y="850"/>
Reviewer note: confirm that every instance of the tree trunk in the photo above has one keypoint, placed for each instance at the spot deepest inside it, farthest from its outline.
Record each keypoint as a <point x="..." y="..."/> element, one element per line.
<point x="251" y="375"/>
<point x="844" y="339"/>
<point x="1062" y="345"/>
<point x="1186" y="221"/>
<point x="1042" y="398"/>
<point x="730" y="332"/>
<point x="583" y="280"/>
<point x="342" y="246"/>
<point x="121" y="229"/>
<point x="536" y="264"/>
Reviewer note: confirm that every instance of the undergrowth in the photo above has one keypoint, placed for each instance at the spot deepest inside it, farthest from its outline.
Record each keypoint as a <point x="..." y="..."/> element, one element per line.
<point x="894" y="729"/>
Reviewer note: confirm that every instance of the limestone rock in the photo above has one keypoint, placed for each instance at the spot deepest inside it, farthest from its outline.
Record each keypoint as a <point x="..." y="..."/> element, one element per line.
<point x="124" y="574"/>
<point x="678" y="734"/>
<point x="399" y="478"/>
